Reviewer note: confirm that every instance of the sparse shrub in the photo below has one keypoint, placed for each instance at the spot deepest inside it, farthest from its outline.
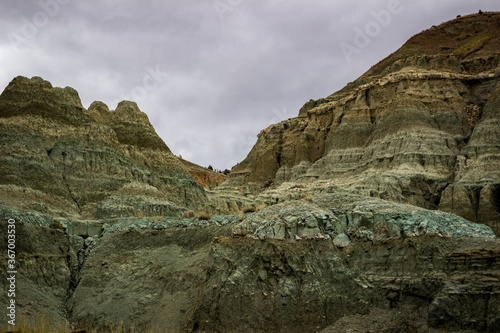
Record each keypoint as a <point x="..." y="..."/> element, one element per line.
<point x="203" y="216"/>
<point x="140" y="215"/>
<point x="56" y="225"/>
<point x="260" y="207"/>
<point x="308" y="197"/>
<point x="188" y="214"/>
<point x="38" y="323"/>
<point x="249" y="209"/>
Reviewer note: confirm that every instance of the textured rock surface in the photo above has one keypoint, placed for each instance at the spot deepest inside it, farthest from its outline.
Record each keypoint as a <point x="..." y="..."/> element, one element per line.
<point x="328" y="215"/>
<point x="420" y="127"/>
<point x="274" y="285"/>
<point x="328" y="253"/>
<point x="45" y="265"/>
<point x="58" y="157"/>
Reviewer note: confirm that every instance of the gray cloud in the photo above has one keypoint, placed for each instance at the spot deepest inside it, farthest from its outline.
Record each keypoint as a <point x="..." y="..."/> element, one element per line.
<point x="209" y="74"/>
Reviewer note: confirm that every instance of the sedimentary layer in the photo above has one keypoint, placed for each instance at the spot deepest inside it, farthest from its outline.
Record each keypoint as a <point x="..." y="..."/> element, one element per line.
<point x="58" y="157"/>
<point x="420" y="127"/>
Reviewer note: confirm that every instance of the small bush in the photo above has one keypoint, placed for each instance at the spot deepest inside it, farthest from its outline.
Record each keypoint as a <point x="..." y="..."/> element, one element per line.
<point x="260" y="207"/>
<point x="203" y="216"/>
<point x="188" y="214"/>
<point x="249" y="209"/>
<point x="308" y="197"/>
<point x="56" y="225"/>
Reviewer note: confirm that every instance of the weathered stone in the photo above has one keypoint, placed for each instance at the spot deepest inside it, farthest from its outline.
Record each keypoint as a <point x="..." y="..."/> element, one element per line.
<point x="85" y="163"/>
<point x="341" y="240"/>
<point x="328" y="252"/>
<point x="421" y="129"/>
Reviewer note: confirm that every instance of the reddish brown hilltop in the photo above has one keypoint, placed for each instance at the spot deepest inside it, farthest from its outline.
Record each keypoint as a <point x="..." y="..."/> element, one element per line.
<point x="203" y="176"/>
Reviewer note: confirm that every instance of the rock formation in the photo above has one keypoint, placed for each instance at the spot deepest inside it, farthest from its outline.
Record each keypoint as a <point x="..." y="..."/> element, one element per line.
<point x="58" y="157"/>
<point x="370" y="195"/>
<point x="420" y="127"/>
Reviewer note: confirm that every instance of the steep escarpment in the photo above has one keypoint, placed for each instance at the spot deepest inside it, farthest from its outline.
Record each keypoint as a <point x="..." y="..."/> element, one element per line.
<point x="420" y="127"/>
<point x="97" y="163"/>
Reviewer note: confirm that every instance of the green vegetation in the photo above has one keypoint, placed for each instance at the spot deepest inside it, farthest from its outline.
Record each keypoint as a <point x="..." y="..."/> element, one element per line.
<point x="56" y="225"/>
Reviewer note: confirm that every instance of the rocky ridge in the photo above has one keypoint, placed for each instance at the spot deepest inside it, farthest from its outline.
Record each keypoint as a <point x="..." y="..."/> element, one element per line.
<point x="97" y="163"/>
<point x="101" y="241"/>
<point x="420" y="127"/>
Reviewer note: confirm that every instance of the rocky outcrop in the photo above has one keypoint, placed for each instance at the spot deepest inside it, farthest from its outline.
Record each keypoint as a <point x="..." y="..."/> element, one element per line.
<point x="295" y="266"/>
<point x="357" y="231"/>
<point x="58" y="157"/>
<point x="420" y="127"/>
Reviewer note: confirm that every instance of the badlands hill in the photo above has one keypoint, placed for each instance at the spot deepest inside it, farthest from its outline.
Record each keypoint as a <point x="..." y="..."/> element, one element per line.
<point x="420" y="127"/>
<point x="58" y="157"/>
<point x="358" y="215"/>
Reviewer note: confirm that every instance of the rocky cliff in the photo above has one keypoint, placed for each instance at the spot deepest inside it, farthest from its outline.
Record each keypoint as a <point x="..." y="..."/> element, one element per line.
<point x="420" y="127"/>
<point x="358" y="233"/>
<point x="98" y="163"/>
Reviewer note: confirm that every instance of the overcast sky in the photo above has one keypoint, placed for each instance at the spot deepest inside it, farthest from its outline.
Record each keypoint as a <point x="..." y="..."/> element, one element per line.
<point x="210" y="74"/>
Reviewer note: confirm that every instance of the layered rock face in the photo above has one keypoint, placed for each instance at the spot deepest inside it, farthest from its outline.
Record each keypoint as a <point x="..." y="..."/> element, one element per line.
<point x="58" y="157"/>
<point x="328" y="253"/>
<point x="303" y="265"/>
<point x="420" y="127"/>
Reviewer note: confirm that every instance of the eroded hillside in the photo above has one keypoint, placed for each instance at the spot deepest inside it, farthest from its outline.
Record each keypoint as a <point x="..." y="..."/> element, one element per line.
<point x="420" y="127"/>
<point x="343" y="219"/>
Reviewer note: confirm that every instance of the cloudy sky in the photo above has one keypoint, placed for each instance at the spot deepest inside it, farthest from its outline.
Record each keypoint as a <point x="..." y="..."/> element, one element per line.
<point x="210" y="74"/>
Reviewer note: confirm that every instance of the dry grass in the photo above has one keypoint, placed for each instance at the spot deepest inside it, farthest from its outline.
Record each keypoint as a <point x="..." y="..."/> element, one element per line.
<point x="249" y="209"/>
<point x="38" y="324"/>
<point x="203" y="216"/>
<point x="188" y="214"/>
<point x="42" y="324"/>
